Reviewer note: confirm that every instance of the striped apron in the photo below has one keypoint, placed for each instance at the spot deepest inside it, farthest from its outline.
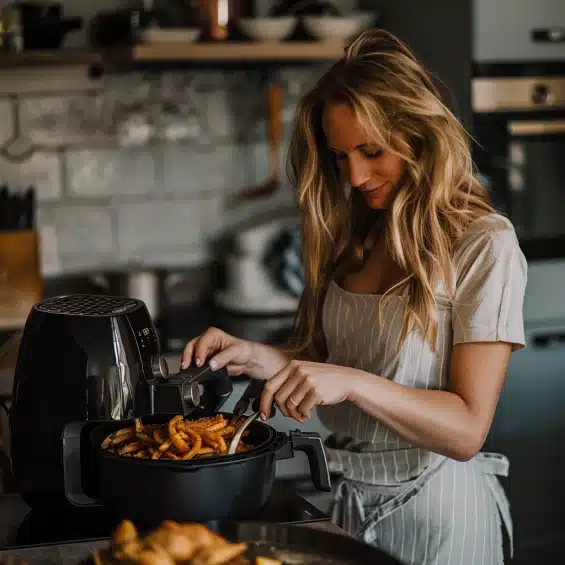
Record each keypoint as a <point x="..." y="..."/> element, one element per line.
<point x="420" y="507"/>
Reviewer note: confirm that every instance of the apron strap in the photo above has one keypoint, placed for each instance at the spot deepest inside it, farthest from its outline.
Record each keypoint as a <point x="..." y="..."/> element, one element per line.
<point x="492" y="464"/>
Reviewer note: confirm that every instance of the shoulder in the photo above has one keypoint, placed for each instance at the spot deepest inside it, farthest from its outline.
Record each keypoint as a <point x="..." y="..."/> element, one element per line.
<point x="490" y="283"/>
<point x="489" y="240"/>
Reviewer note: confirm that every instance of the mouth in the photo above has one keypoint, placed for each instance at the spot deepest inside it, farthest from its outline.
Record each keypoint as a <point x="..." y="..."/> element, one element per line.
<point x="373" y="191"/>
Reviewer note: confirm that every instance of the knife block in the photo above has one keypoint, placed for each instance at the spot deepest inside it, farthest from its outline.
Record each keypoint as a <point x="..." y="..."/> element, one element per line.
<point x="21" y="284"/>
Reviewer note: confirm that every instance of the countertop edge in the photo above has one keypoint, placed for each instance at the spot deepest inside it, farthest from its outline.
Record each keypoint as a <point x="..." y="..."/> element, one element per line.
<point x="74" y="552"/>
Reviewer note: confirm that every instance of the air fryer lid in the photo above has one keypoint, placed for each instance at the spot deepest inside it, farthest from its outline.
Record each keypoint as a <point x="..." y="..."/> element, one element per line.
<point x="89" y="305"/>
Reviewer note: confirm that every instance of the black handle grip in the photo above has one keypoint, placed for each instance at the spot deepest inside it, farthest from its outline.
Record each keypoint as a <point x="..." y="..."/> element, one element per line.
<point x="217" y="386"/>
<point x="257" y="405"/>
<point x="253" y="390"/>
<point x="548" y="35"/>
<point x="202" y="374"/>
<point x="311" y="444"/>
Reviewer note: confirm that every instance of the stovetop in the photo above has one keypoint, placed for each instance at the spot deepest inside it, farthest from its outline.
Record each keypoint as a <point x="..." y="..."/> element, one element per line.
<point x="285" y="506"/>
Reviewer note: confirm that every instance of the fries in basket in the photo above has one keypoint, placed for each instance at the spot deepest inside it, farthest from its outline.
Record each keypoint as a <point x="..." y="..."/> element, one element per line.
<point x="172" y="543"/>
<point x="179" y="439"/>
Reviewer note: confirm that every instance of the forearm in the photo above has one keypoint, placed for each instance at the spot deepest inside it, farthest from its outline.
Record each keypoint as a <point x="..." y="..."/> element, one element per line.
<point x="440" y="421"/>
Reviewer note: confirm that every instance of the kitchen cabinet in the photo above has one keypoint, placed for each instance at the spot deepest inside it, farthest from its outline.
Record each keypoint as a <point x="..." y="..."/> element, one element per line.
<point x="502" y="30"/>
<point x="439" y="33"/>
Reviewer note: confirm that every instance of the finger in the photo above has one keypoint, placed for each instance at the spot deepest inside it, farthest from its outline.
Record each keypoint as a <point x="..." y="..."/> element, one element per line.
<point x="208" y="343"/>
<point x="270" y="389"/>
<point x="287" y="390"/>
<point x="186" y="358"/>
<point x="295" y="398"/>
<point x="308" y="402"/>
<point x="224" y="357"/>
<point x="293" y="381"/>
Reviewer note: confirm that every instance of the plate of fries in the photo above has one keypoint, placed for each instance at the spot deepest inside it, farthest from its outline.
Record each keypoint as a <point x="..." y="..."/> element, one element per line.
<point x="173" y="543"/>
<point x="177" y="439"/>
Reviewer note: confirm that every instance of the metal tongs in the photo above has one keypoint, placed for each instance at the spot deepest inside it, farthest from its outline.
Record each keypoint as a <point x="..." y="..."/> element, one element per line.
<point x="251" y="396"/>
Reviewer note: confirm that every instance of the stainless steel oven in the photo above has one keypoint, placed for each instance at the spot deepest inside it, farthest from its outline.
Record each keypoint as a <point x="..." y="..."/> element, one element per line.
<point x="519" y="129"/>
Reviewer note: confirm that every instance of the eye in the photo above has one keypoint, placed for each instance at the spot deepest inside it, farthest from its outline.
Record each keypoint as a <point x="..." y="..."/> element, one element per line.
<point x="372" y="154"/>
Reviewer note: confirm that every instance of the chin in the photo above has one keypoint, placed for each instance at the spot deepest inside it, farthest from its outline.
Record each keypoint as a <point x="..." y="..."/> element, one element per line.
<point x="378" y="204"/>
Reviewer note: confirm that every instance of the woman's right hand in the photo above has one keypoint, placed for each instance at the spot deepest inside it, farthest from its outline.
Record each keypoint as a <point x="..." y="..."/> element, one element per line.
<point x="219" y="349"/>
<point x="239" y="356"/>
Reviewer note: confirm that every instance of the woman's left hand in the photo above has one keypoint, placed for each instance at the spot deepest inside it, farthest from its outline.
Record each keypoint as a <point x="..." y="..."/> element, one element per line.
<point x="301" y="385"/>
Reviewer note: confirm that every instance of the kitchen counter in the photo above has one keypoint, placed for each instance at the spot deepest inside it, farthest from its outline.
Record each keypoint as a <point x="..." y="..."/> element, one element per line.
<point x="13" y="510"/>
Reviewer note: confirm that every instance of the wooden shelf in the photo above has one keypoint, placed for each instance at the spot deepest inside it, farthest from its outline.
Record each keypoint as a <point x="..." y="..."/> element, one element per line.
<point x="49" y="58"/>
<point x="235" y="52"/>
<point x="231" y="52"/>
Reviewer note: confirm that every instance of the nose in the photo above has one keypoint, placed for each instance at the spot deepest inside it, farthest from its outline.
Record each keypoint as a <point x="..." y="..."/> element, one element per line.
<point x="358" y="171"/>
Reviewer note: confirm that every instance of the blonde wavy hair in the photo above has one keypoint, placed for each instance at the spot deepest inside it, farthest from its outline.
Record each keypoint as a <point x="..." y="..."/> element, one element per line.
<point x="401" y="111"/>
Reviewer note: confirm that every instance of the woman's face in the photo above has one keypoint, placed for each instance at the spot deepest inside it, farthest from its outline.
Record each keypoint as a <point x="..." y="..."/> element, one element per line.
<point x="369" y="169"/>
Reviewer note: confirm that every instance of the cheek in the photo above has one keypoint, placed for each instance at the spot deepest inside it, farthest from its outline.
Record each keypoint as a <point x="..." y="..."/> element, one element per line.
<point x="390" y="167"/>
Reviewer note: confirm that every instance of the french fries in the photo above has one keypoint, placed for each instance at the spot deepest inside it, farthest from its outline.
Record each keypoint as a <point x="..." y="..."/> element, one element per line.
<point x="172" y="543"/>
<point x="178" y="439"/>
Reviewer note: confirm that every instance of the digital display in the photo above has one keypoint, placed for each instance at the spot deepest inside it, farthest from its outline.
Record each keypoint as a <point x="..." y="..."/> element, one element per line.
<point x="147" y="340"/>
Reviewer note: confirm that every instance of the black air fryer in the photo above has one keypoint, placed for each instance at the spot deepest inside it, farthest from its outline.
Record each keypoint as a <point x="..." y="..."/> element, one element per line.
<point x="85" y="359"/>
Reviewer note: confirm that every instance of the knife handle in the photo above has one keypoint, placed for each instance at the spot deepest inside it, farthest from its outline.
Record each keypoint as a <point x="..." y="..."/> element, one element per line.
<point x="28" y="209"/>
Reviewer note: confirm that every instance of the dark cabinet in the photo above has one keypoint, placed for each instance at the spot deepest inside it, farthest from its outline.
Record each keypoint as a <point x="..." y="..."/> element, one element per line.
<point x="439" y="33"/>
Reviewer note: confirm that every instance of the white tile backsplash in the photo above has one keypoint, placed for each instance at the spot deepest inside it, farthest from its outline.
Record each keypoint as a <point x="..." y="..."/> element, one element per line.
<point x="191" y="170"/>
<point x="206" y="79"/>
<point x="257" y="161"/>
<point x="107" y="172"/>
<point x="220" y="113"/>
<point x="297" y="80"/>
<point x="158" y="226"/>
<point x="42" y="170"/>
<point x="188" y="256"/>
<point x="81" y="229"/>
<point x="162" y="200"/>
<point x="88" y="262"/>
<point x="62" y="120"/>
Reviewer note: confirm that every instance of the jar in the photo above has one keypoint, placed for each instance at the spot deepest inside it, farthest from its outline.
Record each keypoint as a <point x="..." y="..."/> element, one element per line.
<point x="216" y="15"/>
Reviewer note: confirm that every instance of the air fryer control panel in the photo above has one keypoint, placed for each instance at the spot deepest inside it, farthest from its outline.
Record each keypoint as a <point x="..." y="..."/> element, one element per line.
<point x="145" y="335"/>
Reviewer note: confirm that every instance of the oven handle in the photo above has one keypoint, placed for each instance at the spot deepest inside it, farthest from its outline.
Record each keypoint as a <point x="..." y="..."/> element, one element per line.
<point x="542" y="127"/>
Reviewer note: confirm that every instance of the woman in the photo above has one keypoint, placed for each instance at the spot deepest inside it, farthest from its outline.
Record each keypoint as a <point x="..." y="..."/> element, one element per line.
<point x="411" y="308"/>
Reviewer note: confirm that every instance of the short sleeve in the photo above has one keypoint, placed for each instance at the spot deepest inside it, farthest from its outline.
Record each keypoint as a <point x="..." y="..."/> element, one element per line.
<point x="491" y="276"/>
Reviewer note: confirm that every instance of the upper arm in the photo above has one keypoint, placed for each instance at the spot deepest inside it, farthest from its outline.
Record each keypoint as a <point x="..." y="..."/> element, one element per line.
<point x="477" y="376"/>
<point x="487" y="318"/>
